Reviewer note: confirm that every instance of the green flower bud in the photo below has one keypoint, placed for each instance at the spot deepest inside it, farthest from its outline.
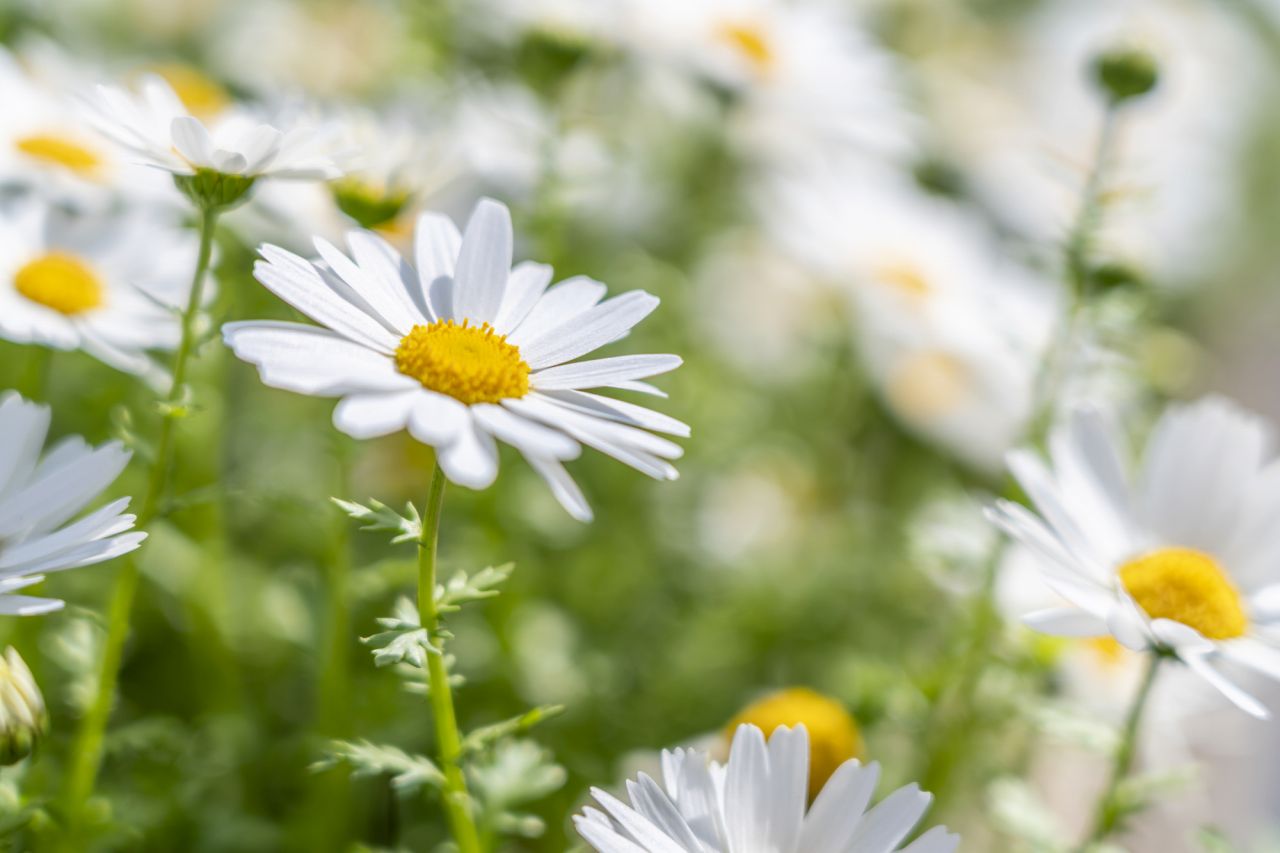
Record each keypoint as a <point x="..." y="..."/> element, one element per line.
<point x="212" y="190"/>
<point x="369" y="205"/>
<point x="1125" y="73"/>
<point x="23" y="719"/>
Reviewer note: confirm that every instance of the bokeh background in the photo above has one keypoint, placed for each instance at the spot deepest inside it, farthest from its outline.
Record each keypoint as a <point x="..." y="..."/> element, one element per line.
<point x="854" y="215"/>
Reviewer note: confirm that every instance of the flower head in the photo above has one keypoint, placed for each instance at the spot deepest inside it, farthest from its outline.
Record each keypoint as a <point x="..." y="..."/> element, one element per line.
<point x="156" y="126"/>
<point x="463" y="350"/>
<point x="1177" y="558"/>
<point x="39" y="495"/>
<point x="107" y="290"/>
<point x="756" y="803"/>
<point x="833" y="734"/>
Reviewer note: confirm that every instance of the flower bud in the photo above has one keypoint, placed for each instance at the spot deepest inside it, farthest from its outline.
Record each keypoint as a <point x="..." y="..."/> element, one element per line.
<point x="210" y="190"/>
<point x="23" y="719"/>
<point x="1125" y="73"/>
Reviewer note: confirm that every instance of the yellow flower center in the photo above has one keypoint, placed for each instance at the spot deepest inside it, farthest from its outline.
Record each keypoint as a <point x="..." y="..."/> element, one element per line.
<point x="60" y="281"/>
<point x="926" y="385"/>
<point x="60" y="151"/>
<point x="1107" y="651"/>
<point x="833" y="733"/>
<point x="473" y="364"/>
<point x="202" y="96"/>
<point x="1186" y="586"/>
<point x="752" y="42"/>
<point x="904" y="277"/>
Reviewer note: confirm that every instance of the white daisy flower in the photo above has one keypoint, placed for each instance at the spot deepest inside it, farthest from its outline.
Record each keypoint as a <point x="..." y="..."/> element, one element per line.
<point x="755" y="803"/>
<point x="1179" y="557"/>
<point x="154" y="125"/>
<point x="38" y="496"/>
<point x="462" y="350"/>
<point x="107" y="286"/>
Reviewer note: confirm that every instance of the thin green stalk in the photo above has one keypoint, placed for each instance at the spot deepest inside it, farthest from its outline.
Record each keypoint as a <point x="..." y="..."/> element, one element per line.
<point x="86" y="754"/>
<point x="1109" y="811"/>
<point x="457" y="802"/>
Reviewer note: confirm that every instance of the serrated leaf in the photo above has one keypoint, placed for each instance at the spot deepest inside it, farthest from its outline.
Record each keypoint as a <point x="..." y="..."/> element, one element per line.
<point x="404" y="640"/>
<point x="463" y="588"/>
<point x="378" y="516"/>
<point x="514" y="773"/>
<point x="408" y="773"/>
<point x="486" y="736"/>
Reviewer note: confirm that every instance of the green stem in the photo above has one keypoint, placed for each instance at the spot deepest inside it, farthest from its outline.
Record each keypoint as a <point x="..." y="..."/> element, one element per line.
<point x="457" y="802"/>
<point x="86" y="754"/>
<point x="1109" y="811"/>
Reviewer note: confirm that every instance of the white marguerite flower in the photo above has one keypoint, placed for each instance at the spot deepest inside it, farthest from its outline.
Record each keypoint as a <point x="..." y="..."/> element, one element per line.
<point x="155" y="125"/>
<point x="462" y="350"/>
<point x="39" y="495"/>
<point x="1179" y="557"/>
<point x="105" y="285"/>
<point x="756" y="803"/>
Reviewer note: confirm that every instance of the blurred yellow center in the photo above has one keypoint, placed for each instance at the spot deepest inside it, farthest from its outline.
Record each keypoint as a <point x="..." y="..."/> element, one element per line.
<point x="473" y="364"/>
<point x="59" y="151"/>
<point x="60" y="281"/>
<point x="751" y="41"/>
<point x="1107" y="650"/>
<point x="833" y="733"/>
<point x="905" y="278"/>
<point x="926" y="385"/>
<point x="1186" y="586"/>
<point x="202" y="96"/>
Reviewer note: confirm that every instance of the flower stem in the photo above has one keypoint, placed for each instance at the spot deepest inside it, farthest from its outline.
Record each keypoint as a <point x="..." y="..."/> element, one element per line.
<point x="457" y="802"/>
<point x="86" y="754"/>
<point x="1109" y="811"/>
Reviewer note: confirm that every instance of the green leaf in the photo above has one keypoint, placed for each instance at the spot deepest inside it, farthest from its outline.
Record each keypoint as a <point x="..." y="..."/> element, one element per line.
<point x="486" y="736"/>
<point x="409" y="773"/>
<point x="404" y="640"/>
<point x="379" y="516"/>
<point x="463" y="588"/>
<point x="515" y="773"/>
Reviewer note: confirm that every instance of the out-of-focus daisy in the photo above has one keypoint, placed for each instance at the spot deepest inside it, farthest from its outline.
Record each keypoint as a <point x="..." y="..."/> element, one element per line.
<point x="44" y="141"/>
<point x="1177" y="558"/>
<point x="463" y="350"/>
<point x="40" y="495"/>
<point x="806" y="79"/>
<point x="155" y="125"/>
<point x="757" y="802"/>
<point x="107" y="286"/>
<point x="832" y="732"/>
<point x="951" y="329"/>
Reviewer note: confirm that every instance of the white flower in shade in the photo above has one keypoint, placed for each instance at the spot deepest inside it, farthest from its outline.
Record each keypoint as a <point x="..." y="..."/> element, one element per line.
<point x="38" y="496"/>
<point x="756" y="803"/>
<point x="154" y="125"/>
<point x="950" y="328"/>
<point x="106" y="285"/>
<point x="1179" y="557"/>
<point x="463" y="350"/>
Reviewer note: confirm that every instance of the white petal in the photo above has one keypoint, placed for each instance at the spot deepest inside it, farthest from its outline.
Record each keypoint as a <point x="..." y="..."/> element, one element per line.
<point x="619" y="411"/>
<point x="26" y="605"/>
<point x="372" y="415"/>
<point x="1242" y="700"/>
<point x="530" y="437"/>
<point x="936" y="840"/>
<point x="603" y="371"/>
<point x="891" y="820"/>
<point x="747" y="793"/>
<point x="437" y="419"/>
<point x="789" y="779"/>
<point x="838" y="809"/>
<point x="528" y="282"/>
<point x="192" y="140"/>
<point x="311" y="360"/>
<point x="567" y="300"/>
<point x="484" y="263"/>
<point x="471" y="459"/>
<point x="1062" y="622"/>
<point x="589" y="331"/>
<point x="436" y="243"/>
<point x="566" y="491"/>
<point x="650" y="838"/>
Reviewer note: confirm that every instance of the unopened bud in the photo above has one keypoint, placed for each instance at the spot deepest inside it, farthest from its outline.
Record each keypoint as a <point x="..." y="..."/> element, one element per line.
<point x="1125" y="73"/>
<point x="211" y="190"/>
<point x="23" y="719"/>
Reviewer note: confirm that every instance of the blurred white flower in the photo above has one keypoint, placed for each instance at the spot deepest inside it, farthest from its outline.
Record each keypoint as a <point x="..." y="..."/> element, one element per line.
<point x="107" y="285"/>
<point x="462" y="350"/>
<point x="757" y="801"/>
<point x="155" y="125"/>
<point x="951" y="329"/>
<point x="1176" y="558"/>
<point x="38" y="496"/>
<point x="805" y="79"/>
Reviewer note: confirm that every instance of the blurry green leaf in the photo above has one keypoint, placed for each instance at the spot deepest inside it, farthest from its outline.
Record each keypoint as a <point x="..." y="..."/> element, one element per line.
<point x="462" y="588"/>
<point x="408" y="772"/>
<point x="486" y="736"/>
<point x="1212" y="840"/>
<point x="379" y="516"/>
<point x="1018" y="811"/>
<point x="404" y="640"/>
<point x="516" y="772"/>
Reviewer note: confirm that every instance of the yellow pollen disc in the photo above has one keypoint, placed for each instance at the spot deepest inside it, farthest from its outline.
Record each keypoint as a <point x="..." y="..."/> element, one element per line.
<point x="1107" y="651"/>
<point x="751" y="41"/>
<point x="60" y="281"/>
<point x="202" y="96"/>
<point x="833" y="733"/>
<point x="904" y="277"/>
<point x="473" y="364"/>
<point x="1186" y="586"/>
<point x="60" y="151"/>
<point x="926" y="385"/>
